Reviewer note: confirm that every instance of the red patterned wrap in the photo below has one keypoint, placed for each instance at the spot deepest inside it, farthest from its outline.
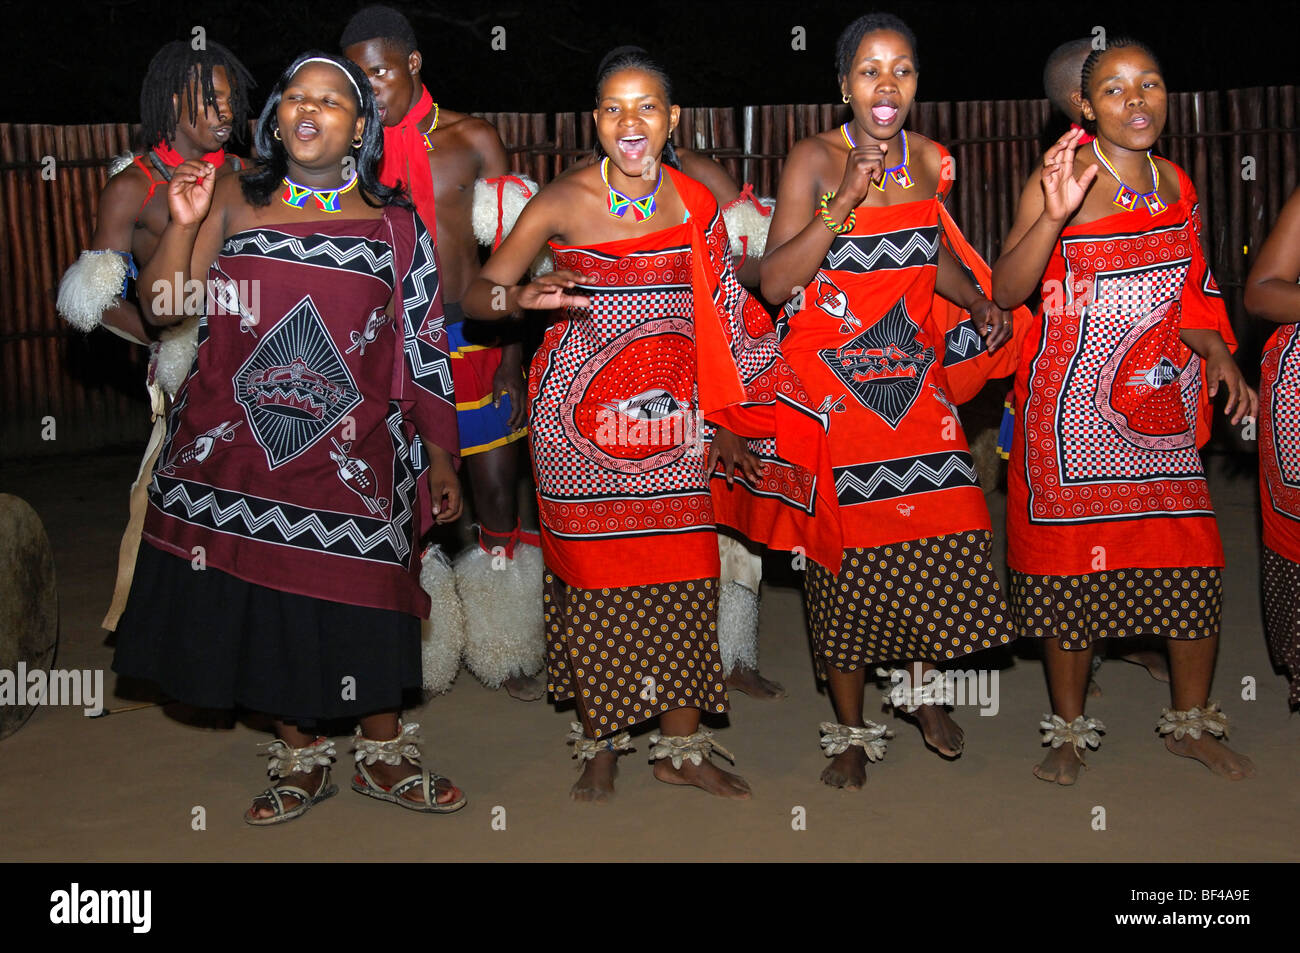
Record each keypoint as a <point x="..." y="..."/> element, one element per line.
<point x="625" y="398"/>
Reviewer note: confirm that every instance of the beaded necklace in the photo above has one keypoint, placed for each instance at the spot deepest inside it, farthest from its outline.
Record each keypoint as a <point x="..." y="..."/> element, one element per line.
<point x="1127" y="198"/>
<point x="295" y="195"/>
<point x="428" y="146"/>
<point x="898" y="173"/>
<point x="619" y="203"/>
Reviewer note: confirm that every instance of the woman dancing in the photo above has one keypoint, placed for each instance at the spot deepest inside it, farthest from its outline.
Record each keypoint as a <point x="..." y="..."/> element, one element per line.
<point x="657" y="333"/>
<point x="862" y="242"/>
<point x="1110" y="529"/>
<point x="1272" y="294"/>
<point x="281" y="568"/>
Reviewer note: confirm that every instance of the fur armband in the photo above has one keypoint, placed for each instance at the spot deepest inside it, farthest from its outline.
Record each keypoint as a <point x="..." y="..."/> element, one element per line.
<point x="748" y="219"/>
<point x="497" y="204"/>
<point x="117" y="163"/>
<point x="176" y="349"/>
<point x="91" y="285"/>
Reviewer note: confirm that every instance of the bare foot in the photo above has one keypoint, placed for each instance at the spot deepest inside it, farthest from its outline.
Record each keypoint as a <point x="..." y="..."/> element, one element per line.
<point x="706" y="776"/>
<point x="847" y="770"/>
<point x="752" y="683"/>
<point x="596" y="782"/>
<point x="940" y="732"/>
<point x="1214" y="754"/>
<point x="1060" y="765"/>
<point x="1094" y="690"/>
<point x="388" y="775"/>
<point x="263" y="806"/>
<point x="526" y="688"/>
<point x="1155" y="662"/>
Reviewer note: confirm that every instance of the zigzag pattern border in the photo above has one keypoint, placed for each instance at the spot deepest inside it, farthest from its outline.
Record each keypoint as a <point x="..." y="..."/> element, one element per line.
<point x="887" y="482"/>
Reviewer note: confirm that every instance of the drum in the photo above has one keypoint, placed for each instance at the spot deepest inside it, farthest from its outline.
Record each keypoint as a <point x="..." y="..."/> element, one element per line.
<point x="29" y="606"/>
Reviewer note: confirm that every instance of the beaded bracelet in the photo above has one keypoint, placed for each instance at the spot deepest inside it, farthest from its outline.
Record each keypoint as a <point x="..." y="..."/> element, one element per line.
<point x="829" y="222"/>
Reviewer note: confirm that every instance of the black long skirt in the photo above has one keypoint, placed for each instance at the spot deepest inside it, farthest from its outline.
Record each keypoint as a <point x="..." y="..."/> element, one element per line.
<point x="212" y="640"/>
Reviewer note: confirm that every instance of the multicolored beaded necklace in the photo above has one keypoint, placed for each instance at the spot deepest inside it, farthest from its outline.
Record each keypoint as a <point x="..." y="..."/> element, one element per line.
<point x="295" y="195"/>
<point x="1127" y="198"/>
<point x="898" y="173"/>
<point x="428" y="146"/>
<point x="619" y="203"/>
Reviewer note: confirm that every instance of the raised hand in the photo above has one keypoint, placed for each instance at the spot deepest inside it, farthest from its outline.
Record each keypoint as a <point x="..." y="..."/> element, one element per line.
<point x="866" y="165"/>
<point x="190" y="194"/>
<point x="1062" y="193"/>
<point x="551" y="291"/>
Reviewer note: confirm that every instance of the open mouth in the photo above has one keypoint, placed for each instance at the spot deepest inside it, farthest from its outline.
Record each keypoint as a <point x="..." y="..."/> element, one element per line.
<point x="1140" y="121"/>
<point x="221" y="133"/>
<point x="306" y="130"/>
<point x="884" y="114"/>
<point x="383" y="111"/>
<point x="633" y="147"/>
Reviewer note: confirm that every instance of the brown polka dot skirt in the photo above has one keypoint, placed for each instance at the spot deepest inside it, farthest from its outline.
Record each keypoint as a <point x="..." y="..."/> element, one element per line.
<point x="634" y="652"/>
<point x="1282" y="616"/>
<point x="1173" y="603"/>
<point x="926" y="600"/>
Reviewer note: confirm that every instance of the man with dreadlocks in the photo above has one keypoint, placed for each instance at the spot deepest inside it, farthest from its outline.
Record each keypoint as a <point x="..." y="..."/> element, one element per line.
<point x="191" y="104"/>
<point x="455" y="168"/>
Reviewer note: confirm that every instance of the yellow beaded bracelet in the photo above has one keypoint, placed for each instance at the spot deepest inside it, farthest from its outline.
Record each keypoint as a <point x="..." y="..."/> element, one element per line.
<point x="829" y="222"/>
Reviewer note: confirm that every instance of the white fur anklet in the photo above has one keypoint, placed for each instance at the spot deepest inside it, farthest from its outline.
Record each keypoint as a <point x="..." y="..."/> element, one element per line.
<point x="1193" y="722"/>
<point x="694" y="748"/>
<point x="837" y="739"/>
<point x="937" y="691"/>
<point x="584" y="748"/>
<point x="406" y="746"/>
<point x="286" y="761"/>
<point x="1082" y="732"/>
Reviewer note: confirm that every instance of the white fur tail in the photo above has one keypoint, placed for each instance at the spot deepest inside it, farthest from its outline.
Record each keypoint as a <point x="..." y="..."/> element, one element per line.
<point x="503" y="612"/>
<point x="442" y="635"/>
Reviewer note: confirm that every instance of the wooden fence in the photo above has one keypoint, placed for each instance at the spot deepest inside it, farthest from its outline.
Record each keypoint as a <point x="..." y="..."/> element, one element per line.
<point x="1239" y="146"/>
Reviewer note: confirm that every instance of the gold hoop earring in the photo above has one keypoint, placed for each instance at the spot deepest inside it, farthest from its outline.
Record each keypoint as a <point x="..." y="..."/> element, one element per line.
<point x="358" y="142"/>
<point x="845" y="96"/>
<point x="276" y="134"/>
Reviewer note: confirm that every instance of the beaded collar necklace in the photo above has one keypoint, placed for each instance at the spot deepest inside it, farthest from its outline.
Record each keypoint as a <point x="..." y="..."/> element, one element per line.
<point x="619" y="203"/>
<point x="295" y="195"/>
<point x="1127" y="198"/>
<point x="898" y="173"/>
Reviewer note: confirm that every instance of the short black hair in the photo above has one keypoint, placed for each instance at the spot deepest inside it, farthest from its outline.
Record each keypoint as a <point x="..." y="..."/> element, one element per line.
<point x="634" y="57"/>
<point x="851" y="38"/>
<point x="1118" y="43"/>
<point x="172" y="72"/>
<point x="379" y="22"/>
<point x="1063" y="69"/>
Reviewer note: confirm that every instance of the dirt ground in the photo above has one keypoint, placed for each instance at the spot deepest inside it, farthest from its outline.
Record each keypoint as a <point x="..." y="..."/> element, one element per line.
<point x="124" y="787"/>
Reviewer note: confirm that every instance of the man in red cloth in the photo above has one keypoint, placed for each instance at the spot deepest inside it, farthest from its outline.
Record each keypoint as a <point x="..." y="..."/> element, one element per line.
<point x="438" y="155"/>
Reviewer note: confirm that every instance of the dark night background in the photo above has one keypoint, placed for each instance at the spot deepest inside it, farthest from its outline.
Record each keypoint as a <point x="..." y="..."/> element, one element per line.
<point x="75" y="63"/>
